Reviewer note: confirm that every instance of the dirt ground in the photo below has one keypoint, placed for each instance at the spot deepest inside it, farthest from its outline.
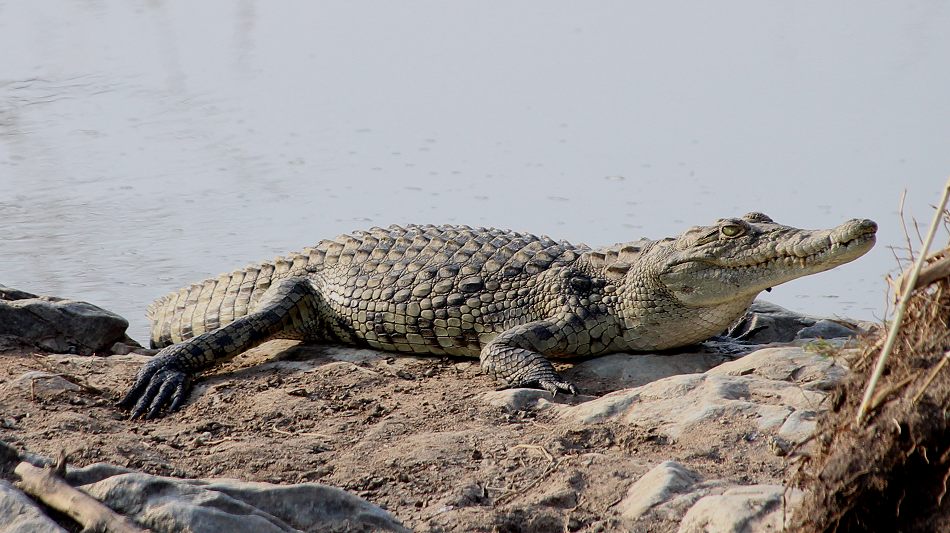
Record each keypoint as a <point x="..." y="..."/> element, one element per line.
<point x="412" y="435"/>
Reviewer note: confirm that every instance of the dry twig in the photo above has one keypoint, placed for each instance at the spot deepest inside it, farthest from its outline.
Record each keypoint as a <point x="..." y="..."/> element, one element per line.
<point x="932" y="375"/>
<point x="300" y="433"/>
<point x="937" y="267"/>
<point x="547" y="472"/>
<point x="537" y="447"/>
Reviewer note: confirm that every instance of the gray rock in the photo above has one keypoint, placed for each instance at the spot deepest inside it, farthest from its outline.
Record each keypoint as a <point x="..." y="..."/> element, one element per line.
<point x="799" y="426"/>
<point x="9" y="293"/>
<point x="811" y="371"/>
<point x="669" y="493"/>
<point x="825" y="329"/>
<point x="517" y="399"/>
<point x="621" y="371"/>
<point x="167" y="504"/>
<point x="59" y="325"/>
<point x="766" y="386"/>
<point x="741" y="509"/>
<point x="522" y="399"/>
<point x="656" y="486"/>
<point x="765" y="323"/>
<point x="37" y="383"/>
<point x="19" y="514"/>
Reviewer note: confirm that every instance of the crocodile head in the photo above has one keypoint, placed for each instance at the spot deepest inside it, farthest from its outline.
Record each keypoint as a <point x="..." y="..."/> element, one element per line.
<point x="736" y="258"/>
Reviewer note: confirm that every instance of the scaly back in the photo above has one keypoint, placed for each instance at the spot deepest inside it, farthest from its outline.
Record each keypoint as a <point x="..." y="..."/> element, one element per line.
<point x="385" y="254"/>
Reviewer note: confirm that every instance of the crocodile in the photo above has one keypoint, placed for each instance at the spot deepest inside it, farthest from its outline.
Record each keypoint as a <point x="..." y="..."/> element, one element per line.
<point x="512" y="299"/>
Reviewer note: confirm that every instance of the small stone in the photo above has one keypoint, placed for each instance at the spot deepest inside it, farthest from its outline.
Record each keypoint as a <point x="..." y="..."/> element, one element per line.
<point x="656" y="486"/>
<point x="121" y="348"/>
<point x="44" y="384"/>
<point x="744" y="508"/>
<point x="779" y="446"/>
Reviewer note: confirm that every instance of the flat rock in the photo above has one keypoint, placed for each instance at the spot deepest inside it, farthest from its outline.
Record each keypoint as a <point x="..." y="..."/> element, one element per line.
<point x="655" y="487"/>
<point x="766" y="387"/>
<point x="766" y="323"/>
<point x="171" y="505"/>
<point x="812" y="371"/>
<point x="740" y="509"/>
<point x="166" y="504"/>
<point x="19" y="514"/>
<point x="59" y="325"/>
<point x="521" y="399"/>
<point x="621" y="371"/>
<point x="799" y="426"/>
<point x="672" y="494"/>
<point x="37" y="383"/>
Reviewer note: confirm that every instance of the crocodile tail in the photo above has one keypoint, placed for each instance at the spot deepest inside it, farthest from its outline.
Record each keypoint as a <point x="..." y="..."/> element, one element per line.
<point x="208" y="305"/>
<point x="216" y="302"/>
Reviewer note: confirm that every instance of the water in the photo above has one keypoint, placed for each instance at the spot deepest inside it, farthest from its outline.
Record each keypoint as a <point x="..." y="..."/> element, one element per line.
<point x="145" y="145"/>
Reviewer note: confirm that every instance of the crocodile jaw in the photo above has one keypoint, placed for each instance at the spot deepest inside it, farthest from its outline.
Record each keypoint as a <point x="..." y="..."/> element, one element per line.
<point x="770" y="254"/>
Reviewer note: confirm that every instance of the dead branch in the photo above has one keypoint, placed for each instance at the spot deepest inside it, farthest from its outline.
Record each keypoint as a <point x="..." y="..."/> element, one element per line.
<point x="46" y="486"/>
<point x="936" y="267"/>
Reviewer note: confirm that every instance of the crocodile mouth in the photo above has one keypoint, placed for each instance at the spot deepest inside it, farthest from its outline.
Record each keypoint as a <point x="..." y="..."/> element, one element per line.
<point x="822" y="252"/>
<point x="839" y="248"/>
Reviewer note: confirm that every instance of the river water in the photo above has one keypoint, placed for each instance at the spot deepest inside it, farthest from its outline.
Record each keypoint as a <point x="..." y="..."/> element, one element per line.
<point x="145" y="145"/>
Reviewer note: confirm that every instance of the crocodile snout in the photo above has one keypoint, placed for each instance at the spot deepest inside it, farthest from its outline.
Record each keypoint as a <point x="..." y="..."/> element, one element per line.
<point x="853" y="229"/>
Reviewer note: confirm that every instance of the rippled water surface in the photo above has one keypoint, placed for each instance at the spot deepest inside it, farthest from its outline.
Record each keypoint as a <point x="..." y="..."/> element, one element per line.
<point x="145" y="145"/>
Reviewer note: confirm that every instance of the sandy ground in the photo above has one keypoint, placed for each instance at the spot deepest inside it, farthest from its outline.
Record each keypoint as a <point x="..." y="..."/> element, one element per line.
<point x="413" y="435"/>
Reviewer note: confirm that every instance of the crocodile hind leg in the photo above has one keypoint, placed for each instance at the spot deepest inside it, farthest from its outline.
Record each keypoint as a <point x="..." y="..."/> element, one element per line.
<point x="517" y="356"/>
<point x="288" y="310"/>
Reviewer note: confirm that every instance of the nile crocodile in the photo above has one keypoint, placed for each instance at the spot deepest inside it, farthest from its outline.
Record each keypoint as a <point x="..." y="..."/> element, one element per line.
<point x="512" y="299"/>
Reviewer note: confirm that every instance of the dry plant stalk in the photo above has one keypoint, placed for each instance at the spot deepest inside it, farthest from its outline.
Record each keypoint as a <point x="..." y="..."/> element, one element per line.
<point x="936" y="266"/>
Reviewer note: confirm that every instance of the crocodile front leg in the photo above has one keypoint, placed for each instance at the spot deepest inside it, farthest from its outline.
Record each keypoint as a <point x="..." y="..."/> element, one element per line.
<point x="517" y="356"/>
<point x="286" y="310"/>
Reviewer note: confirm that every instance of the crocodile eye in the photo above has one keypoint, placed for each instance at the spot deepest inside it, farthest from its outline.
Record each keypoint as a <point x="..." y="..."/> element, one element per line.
<point x="731" y="230"/>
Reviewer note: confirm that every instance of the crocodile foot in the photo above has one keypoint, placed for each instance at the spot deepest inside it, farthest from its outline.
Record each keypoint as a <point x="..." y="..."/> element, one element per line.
<point x="553" y="386"/>
<point x="161" y="382"/>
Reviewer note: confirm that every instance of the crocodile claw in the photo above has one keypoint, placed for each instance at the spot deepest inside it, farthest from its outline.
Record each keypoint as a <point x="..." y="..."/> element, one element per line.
<point x="558" y="386"/>
<point x="553" y="386"/>
<point x="161" y="382"/>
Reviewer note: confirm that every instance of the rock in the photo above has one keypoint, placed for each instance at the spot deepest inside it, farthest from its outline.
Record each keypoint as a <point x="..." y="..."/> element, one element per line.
<point x="670" y="493"/>
<point x="10" y="294"/>
<point x="766" y="323"/>
<point x="655" y="487"/>
<point x="37" y="383"/>
<point x="621" y="371"/>
<point x="825" y="329"/>
<point x="129" y="345"/>
<point x="779" y="446"/>
<point x="19" y="514"/>
<point x="739" y="509"/>
<point x="12" y="342"/>
<point x="766" y="386"/>
<point x="798" y="427"/>
<point x="59" y="325"/>
<point x="809" y="370"/>
<point x="167" y="504"/>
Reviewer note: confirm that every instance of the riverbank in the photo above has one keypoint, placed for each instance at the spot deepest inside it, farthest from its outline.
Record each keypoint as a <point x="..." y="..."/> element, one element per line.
<point x="659" y="442"/>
